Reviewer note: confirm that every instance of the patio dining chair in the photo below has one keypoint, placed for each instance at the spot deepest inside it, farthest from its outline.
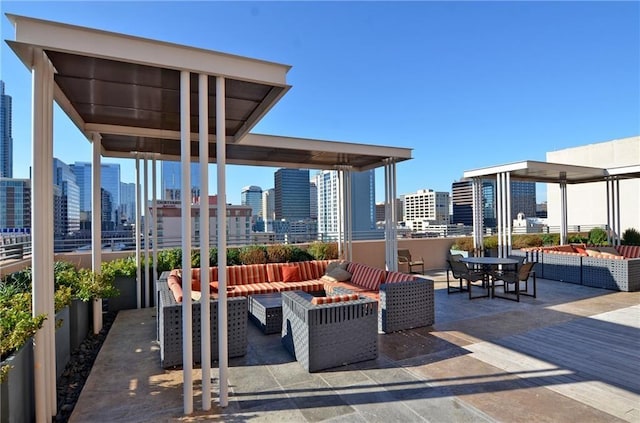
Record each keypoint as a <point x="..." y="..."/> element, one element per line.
<point x="404" y="256"/>
<point x="462" y="272"/>
<point x="518" y="279"/>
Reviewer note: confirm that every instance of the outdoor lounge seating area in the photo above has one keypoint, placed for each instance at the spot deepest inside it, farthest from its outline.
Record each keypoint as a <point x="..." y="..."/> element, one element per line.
<point x="405" y="301"/>
<point x="546" y="364"/>
<point x="343" y="317"/>
<point x="615" y="268"/>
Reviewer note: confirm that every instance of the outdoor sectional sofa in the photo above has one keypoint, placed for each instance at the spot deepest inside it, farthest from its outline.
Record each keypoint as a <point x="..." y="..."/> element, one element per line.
<point x="405" y="301"/>
<point x="600" y="267"/>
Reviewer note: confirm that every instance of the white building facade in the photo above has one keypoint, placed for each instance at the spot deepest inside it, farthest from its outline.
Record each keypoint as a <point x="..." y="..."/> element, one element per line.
<point x="587" y="203"/>
<point x="426" y="207"/>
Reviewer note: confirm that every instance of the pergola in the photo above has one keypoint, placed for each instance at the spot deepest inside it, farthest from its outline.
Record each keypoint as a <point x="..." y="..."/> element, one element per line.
<point x="143" y="99"/>
<point x="536" y="171"/>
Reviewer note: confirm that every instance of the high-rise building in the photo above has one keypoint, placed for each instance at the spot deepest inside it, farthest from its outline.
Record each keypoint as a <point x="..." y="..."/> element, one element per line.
<point x="313" y="199"/>
<point x="15" y="198"/>
<point x="171" y="181"/>
<point x="523" y="200"/>
<point x="6" y="139"/>
<point x="381" y="211"/>
<point x="363" y="211"/>
<point x="252" y="196"/>
<point x="66" y="220"/>
<point x="127" y="202"/>
<point x="292" y="194"/>
<point x="426" y="207"/>
<point x="109" y="181"/>
<point x="268" y="206"/>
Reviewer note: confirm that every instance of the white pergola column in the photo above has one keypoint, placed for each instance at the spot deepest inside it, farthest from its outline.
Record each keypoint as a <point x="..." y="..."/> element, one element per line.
<point x="563" y="209"/>
<point x="478" y="224"/>
<point x="137" y="235"/>
<point x="221" y="156"/>
<point x="391" y="238"/>
<point x="154" y="216"/>
<point x="205" y="307"/>
<point x="503" y="208"/>
<point x="613" y="210"/>
<point x="187" y="324"/>
<point x="42" y="237"/>
<point x="145" y="205"/>
<point x="509" y="226"/>
<point x="342" y="254"/>
<point x="499" y="211"/>
<point x="96" y="225"/>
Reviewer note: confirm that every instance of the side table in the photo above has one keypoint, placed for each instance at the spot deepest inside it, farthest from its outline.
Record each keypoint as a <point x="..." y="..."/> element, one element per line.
<point x="265" y="310"/>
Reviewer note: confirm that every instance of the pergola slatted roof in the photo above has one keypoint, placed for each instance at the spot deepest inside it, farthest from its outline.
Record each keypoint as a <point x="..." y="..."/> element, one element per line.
<point x="128" y="91"/>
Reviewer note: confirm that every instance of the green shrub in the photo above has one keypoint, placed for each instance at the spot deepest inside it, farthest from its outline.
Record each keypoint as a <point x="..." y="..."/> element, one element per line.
<point x="464" y="243"/>
<point x="169" y="259"/>
<point x="551" y="239"/>
<point x="298" y="254"/>
<point x="278" y="253"/>
<point x="526" y="241"/>
<point x="490" y="242"/>
<point x="95" y="285"/>
<point x="323" y="250"/>
<point x="17" y="325"/>
<point x="233" y="256"/>
<point x="578" y="238"/>
<point x="253" y="254"/>
<point x="124" y="267"/>
<point x="597" y="236"/>
<point x="630" y="237"/>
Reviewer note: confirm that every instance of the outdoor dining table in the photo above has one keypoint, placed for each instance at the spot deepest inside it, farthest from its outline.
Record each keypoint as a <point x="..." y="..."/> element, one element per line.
<point x="487" y="265"/>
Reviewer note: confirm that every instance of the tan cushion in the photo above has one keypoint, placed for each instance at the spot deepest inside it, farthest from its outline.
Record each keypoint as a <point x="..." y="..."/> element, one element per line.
<point x="340" y="275"/>
<point x="592" y="253"/>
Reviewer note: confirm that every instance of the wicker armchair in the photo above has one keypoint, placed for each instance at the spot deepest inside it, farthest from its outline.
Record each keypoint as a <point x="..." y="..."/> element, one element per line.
<point x="329" y="335"/>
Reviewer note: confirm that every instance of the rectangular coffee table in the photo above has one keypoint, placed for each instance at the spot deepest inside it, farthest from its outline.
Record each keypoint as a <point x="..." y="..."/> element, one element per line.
<point x="266" y="311"/>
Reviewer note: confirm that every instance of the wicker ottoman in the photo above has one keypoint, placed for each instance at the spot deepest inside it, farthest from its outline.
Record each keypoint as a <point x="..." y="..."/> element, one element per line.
<point x="266" y="311"/>
<point x="329" y="335"/>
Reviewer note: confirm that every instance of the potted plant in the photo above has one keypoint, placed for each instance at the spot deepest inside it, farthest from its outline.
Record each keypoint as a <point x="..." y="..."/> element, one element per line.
<point x="67" y="275"/>
<point x="17" y="327"/>
<point x="120" y="274"/>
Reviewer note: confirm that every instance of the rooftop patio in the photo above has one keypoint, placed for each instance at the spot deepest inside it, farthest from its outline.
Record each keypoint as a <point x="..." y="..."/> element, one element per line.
<point x="571" y="354"/>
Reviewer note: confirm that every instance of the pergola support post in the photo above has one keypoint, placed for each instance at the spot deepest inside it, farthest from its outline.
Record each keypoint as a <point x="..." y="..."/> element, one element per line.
<point x="391" y="238"/>
<point x="187" y="324"/>
<point x="96" y="226"/>
<point x="42" y="237"/>
<point x="154" y="216"/>
<point x="221" y="156"/>
<point x="205" y="307"/>
<point x="137" y="234"/>
<point x="478" y="224"/>
<point x="563" y="209"/>
<point x="145" y="205"/>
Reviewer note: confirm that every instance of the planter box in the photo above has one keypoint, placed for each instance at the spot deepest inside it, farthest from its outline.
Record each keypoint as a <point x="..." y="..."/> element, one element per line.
<point x="63" y="341"/>
<point x="128" y="298"/>
<point x="17" y="397"/>
<point x="79" y="322"/>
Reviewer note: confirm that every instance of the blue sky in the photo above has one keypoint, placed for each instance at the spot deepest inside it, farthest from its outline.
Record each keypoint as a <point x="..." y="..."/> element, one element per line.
<point x="465" y="84"/>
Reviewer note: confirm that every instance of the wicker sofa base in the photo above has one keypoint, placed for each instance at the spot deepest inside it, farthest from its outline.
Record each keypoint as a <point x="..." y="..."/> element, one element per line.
<point x="170" y="328"/>
<point x="329" y="335"/>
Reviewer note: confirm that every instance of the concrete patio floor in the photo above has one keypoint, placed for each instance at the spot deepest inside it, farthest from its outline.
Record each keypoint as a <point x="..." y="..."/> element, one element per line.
<point x="571" y="355"/>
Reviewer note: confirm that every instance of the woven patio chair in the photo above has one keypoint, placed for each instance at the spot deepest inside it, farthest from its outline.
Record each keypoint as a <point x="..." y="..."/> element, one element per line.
<point x="516" y="278"/>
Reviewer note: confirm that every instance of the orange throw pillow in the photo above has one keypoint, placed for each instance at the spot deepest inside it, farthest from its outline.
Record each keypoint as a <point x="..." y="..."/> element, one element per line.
<point x="290" y="274"/>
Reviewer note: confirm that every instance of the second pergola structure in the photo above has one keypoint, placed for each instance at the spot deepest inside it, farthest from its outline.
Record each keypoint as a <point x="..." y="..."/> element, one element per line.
<point x="544" y="172"/>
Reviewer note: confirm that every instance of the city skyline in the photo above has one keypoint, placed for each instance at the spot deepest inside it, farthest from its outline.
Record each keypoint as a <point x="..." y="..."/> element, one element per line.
<point x="498" y="89"/>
